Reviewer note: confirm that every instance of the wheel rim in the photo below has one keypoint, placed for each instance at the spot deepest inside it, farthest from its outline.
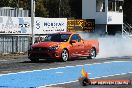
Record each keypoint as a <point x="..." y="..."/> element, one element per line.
<point x="65" y="55"/>
<point x="93" y="53"/>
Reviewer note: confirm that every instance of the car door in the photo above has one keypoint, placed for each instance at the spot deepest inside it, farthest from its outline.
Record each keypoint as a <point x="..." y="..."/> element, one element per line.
<point x="77" y="47"/>
<point x="80" y="45"/>
<point x="73" y="47"/>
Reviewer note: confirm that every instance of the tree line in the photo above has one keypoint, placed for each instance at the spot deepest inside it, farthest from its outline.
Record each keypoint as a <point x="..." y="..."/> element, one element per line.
<point x="60" y="8"/>
<point x="48" y="8"/>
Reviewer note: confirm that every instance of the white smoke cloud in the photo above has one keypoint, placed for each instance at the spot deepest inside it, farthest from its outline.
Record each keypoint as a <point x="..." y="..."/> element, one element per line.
<point x="111" y="46"/>
<point x="115" y="47"/>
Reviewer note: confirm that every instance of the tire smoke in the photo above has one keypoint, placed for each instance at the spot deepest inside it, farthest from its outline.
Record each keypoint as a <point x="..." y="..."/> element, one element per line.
<point x="115" y="47"/>
<point x="111" y="46"/>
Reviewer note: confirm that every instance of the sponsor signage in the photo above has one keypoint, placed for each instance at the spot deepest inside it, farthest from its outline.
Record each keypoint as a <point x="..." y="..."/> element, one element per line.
<point x="87" y="25"/>
<point x="13" y="25"/>
<point x="50" y="25"/>
<point x="22" y="25"/>
<point x="84" y="80"/>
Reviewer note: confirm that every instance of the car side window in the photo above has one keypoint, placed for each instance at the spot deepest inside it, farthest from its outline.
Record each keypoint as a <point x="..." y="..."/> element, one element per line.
<point x="76" y="37"/>
<point x="73" y="37"/>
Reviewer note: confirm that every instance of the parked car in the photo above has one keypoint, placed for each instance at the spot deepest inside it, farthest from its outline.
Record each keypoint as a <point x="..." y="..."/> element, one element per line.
<point x="63" y="46"/>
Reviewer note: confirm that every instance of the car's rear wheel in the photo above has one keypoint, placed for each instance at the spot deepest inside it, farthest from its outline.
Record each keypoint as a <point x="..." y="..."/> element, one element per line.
<point x="64" y="55"/>
<point x="92" y="53"/>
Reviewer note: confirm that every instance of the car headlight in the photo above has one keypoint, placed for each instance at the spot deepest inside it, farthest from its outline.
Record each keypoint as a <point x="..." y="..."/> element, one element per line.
<point x="53" y="48"/>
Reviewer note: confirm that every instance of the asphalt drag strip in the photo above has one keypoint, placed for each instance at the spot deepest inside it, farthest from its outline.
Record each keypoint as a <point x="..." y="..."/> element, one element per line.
<point x="78" y="85"/>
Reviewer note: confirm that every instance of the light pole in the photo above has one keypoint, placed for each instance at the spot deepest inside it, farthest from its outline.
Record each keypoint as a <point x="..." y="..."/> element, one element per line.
<point x="59" y="8"/>
<point x="17" y="8"/>
<point x="32" y="18"/>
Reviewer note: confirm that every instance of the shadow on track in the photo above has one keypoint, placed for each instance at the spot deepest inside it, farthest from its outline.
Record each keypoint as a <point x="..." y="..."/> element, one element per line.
<point x="40" y="61"/>
<point x="55" y="61"/>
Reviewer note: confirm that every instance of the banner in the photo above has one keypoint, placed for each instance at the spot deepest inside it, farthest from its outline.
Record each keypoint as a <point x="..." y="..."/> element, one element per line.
<point x="87" y="25"/>
<point x="22" y="25"/>
<point x="50" y="25"/>
<point x="14" y="25"/>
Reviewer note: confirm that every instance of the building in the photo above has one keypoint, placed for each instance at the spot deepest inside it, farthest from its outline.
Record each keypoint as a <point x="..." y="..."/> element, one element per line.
<point x="108" y="14"/>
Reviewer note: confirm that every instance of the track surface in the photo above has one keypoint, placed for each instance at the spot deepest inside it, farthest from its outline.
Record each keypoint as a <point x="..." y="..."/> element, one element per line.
<point x="23" y="64"/>
<point x="77" y="84"/>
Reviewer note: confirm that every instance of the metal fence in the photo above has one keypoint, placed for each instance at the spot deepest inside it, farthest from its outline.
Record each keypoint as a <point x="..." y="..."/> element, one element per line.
<point x="13" y="44"/>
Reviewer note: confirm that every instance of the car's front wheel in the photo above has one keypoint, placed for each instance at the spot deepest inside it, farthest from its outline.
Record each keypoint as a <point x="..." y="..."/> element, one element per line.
<point x="64" y="55"/>
<point x="92" y="53"/>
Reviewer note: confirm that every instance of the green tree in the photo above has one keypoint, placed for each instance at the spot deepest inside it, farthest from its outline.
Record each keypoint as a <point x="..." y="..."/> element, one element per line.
<point x="53" y="8"/>
<point x="24" y="4"/>
<point x="68" y="8"/>
<point x="76" y="8"/>
<point x="40" y="10"/>
<point x="15" y="3"/>
<point x="8" y="3"/>
<point x="65" y="9"/>
<point x="127" y="9"/>
<point x="58" y="8"/>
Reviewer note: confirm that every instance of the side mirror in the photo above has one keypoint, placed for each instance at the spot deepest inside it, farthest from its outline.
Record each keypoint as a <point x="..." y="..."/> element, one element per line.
<point x="73" y="41"/>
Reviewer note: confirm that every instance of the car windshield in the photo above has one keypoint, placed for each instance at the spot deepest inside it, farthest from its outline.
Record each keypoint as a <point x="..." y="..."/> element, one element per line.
<point x="57" y="38"/>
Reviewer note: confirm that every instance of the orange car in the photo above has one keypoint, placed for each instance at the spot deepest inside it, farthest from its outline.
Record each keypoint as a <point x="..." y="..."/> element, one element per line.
<point x="63" y="46"/>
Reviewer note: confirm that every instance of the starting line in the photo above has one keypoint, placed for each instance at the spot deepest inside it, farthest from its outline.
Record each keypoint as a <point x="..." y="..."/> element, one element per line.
<point x="63" y="74"/>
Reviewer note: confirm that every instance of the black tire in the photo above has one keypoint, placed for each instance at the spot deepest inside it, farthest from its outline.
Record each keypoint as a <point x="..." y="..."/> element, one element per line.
<point x="34" y="60"/>
<point x="92" y="53"/>
<point x="64" y="55"/>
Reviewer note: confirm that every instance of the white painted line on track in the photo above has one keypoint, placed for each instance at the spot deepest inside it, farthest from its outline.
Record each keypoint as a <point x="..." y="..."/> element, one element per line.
<point x="107" y="62"/>
<point x="130" y="72"/>
<point x="62" y="67"/>
<point x="121" y="61"/>
<point x="59" y="72"/>
<point x="111" y="75"/>
<point x="58" y="84"/>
